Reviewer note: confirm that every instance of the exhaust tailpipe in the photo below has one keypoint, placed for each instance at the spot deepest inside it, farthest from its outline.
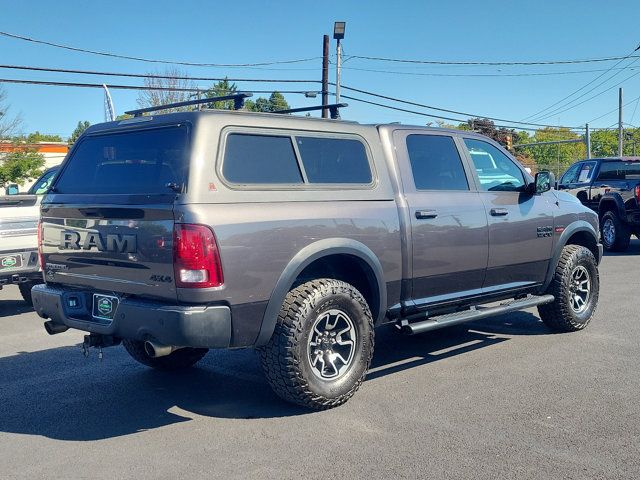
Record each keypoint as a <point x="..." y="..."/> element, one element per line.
<point x="54" y="328"/>
<point x="156" y="350"/>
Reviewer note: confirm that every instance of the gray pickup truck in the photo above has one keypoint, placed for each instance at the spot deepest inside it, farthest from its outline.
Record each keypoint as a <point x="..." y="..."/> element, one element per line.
<point x="177" y="233"/>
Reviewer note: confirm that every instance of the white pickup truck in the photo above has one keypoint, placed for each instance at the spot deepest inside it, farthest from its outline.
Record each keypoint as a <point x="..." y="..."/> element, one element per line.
<point x="19" y="215"/>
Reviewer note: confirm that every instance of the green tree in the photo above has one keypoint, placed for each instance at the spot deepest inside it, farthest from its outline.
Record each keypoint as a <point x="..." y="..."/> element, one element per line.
<point x="554" y="157"/>
<point x="36" y="137"/>
<point x="20" y="165"/>
<point x="274" y="103"/>
<point x="604" y="143"/>
<point x="82" y="126"/>
<point x="221" y="89"/>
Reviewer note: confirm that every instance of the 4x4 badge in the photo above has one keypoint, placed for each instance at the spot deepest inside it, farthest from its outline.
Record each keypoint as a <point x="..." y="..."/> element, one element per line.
<point x="105" y="306"/>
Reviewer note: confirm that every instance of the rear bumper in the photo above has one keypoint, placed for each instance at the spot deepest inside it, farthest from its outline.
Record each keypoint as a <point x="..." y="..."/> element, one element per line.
<point x="179" y="325"/>
<point x="30" y="270"/>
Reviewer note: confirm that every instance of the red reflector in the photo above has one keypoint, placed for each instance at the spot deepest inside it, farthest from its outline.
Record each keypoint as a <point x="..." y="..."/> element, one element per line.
<point x="196" y="258"/>
<point x="40" y="255"/>
<point x="559" y="229"/>
<point x="637" y="192"/>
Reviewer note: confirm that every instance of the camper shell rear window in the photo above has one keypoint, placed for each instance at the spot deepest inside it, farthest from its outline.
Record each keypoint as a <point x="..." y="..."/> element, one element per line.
<point x="141" y="161"/>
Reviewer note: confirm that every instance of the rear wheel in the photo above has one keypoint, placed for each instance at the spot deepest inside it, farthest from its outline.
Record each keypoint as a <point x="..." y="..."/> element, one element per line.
<point x="25" y="290"/>
<point x="576" y="287"/>
<point x="179" y="359"/>
<point x="615" y="233"/>
<point x="322" y="345"/>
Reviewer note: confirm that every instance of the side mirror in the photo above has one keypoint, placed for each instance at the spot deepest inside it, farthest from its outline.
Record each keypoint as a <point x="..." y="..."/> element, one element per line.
<point x="12" y="189"/>
<point x="543" y="182"/>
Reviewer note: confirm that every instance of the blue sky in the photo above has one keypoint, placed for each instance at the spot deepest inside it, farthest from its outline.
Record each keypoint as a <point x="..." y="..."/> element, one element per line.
<point x="255" y="31"/>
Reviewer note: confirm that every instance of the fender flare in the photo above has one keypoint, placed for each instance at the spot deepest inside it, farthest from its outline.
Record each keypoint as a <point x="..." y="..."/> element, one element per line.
<point x="617" y="200"/>
<point x="309" y="254"/>
<point x="569" y="231"/>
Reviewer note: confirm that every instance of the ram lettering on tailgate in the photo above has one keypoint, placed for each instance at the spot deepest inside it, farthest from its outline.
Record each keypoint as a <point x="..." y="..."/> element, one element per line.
<point x="70" y="240"/>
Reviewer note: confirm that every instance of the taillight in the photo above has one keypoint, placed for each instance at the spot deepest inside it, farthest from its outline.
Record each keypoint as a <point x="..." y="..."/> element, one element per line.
<point x="637" y="192"/>
<point x="196" y="259"/>
<point x="40" y="255"/>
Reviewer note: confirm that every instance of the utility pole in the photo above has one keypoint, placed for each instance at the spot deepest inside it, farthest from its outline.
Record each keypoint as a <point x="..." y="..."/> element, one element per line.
<point x="620" y="129"/>
<point x="588" y="140"/>
<point x="338" y="34"/>
<point x="325" y="75"/>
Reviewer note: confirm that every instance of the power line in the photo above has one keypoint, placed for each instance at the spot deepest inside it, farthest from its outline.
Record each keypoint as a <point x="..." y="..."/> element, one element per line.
<point x="149" y="75"/>
<point x="443" y="62"/>
<point x="634" y="110"/>
<point x="546" y="109"/>
<point x="440" y="117"/>
<point x="407" y="102"/>
<point x="615" y="110"/>
<point x="432" y="74"/>
<point x="597" y="94"/>
<point x="151" y="60"/>
<point x="134" y="87"/>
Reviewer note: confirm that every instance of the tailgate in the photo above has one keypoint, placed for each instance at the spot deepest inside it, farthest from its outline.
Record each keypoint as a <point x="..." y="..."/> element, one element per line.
<point x="107" y="221"/>
<point x="18" y="223"/>
<point x="119" y="249"/>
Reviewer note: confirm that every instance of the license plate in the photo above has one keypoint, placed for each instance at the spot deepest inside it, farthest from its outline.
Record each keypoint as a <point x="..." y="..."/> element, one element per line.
<point x="104" y="306"/>
<point x="10" y="261"/>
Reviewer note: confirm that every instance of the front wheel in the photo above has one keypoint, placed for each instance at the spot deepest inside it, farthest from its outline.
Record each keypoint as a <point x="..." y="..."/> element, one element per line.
<point x="615" y="233"/>
<point x="322" y="345"/>
<point x="576" y="287"/>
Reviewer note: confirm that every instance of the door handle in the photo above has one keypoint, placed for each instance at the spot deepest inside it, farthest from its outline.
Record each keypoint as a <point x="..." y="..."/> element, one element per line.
<point x="499" y="212"/>
<point x="424" y="214"/>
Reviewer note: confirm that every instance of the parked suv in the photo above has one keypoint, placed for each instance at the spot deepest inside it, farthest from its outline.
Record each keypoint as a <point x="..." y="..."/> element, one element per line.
<point x="611" y="187"/>
<point x="183" y="232"/>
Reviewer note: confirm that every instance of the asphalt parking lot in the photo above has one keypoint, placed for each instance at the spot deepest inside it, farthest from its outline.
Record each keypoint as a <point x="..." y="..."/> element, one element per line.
<point x="501" y="398"/>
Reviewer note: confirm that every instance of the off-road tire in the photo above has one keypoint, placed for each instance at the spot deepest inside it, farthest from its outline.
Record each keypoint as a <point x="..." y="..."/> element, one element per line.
<point x="285" y="359"/>
<point x="559" y="315"/>
<point x="622" y="235"/>
<point x="182" y="358"/>
<point x="25" y="290"/>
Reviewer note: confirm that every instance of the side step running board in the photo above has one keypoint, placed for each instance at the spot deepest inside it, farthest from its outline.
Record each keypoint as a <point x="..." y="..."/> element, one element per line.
<point x="475" y="313"/>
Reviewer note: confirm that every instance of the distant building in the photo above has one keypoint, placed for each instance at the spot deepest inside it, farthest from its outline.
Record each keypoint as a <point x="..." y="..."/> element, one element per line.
<point x="53" y="153"/>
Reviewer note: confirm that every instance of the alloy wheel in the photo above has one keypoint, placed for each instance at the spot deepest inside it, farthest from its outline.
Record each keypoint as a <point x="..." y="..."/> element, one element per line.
<point x="332" y="344"/>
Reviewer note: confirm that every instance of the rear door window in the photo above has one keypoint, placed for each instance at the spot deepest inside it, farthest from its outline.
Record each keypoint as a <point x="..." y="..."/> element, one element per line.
<point x="586" y="172"/>
<point x="256" y="159"/>
<point x="619" y="170"/>
<point x="286" y="159"/>
<point x="152" y="161"/>
<point x="436" y="163"/>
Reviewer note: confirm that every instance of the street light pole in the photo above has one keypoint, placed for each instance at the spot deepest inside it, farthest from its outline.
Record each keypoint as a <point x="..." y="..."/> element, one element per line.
<point x="338" y="68"/>
<point x="620" y="128"/>
<point x="338" y="34"/>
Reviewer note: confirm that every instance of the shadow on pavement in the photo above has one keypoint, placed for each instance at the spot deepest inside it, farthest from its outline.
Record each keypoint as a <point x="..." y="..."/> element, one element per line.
<point x="59" y="394"/>
<point x="9" y="308"/>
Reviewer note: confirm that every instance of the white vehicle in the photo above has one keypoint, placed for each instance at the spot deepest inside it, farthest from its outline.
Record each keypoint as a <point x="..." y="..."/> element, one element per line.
<point x="19" y="215"/>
